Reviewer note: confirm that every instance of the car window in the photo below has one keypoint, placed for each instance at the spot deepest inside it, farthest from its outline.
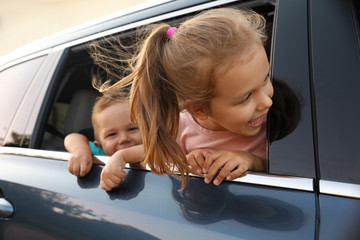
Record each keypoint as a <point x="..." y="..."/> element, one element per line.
<point x="72" y="100"/>
<point x="14" y="83"/>
<point x="336" y="80"/>
<point x="76" y="74"/>
<point x="74" y="83"/>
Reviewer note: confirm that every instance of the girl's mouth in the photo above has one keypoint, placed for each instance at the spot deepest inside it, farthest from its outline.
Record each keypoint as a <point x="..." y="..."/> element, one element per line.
<point x="255" y="123"/>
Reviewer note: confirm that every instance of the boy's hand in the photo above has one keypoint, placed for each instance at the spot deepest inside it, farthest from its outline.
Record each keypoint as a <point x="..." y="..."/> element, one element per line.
<point x="80" y="162"/>
<point x="230" y="165"/>
<point x="196" y="159"/>
<point x="113" y="172"/>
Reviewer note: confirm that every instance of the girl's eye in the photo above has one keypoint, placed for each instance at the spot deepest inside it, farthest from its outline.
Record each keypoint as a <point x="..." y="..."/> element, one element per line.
<point x="267" y="79"/>
<point x="245" y="99"/>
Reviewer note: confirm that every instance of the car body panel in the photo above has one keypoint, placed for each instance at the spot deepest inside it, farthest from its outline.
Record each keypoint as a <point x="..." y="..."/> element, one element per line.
<point x="144" y="203"/>
<point x="339" y="218"/>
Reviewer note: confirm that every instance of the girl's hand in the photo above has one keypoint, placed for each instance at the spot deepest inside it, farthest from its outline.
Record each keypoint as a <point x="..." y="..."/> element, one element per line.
<point x="80" y="162"/>
<point x="230" y="165"/>
<point x="113" y="172"/>
<point x="196" y="159"/>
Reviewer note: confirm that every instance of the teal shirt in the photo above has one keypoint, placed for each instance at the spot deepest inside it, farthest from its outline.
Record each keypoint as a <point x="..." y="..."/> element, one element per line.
<point x="95" y="150"/>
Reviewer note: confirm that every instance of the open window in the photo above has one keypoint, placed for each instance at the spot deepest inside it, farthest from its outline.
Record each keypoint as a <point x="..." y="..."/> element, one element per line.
<point x="73" y="92"/>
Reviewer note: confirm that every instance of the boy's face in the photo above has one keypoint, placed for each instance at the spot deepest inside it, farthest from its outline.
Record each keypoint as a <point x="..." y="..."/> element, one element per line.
<point x="115" y="130"/>
<point x="242" y="95"/>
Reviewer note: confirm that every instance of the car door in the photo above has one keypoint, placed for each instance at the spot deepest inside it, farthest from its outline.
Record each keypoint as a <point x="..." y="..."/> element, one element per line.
<point x="336" y="76"/>
<point x="47" y="202"/>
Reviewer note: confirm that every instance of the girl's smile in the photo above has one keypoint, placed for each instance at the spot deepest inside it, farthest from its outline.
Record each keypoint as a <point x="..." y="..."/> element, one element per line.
<point x="255" y="123"/>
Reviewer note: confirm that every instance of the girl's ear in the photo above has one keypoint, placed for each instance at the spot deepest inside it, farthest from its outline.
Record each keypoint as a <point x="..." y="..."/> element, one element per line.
<point x="198" y="111"/>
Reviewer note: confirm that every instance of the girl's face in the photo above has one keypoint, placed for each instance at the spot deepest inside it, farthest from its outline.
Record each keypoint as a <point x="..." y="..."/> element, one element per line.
<point x="115" y="130"/>
<point x="242" y="95"/>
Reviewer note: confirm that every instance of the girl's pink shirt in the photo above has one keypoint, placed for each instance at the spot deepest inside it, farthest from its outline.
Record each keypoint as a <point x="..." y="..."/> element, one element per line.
<point x="192" y="136"/>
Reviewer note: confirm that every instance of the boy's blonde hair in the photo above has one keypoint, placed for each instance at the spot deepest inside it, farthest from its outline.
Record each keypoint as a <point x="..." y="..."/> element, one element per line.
<point x="166" y="72"/>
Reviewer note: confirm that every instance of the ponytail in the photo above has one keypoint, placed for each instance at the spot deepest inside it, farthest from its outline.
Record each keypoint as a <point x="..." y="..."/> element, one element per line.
<point x="154" y="107"/>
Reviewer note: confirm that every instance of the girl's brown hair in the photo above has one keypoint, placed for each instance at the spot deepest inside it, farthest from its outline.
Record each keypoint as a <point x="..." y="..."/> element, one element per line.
<point x="166" y="72"/>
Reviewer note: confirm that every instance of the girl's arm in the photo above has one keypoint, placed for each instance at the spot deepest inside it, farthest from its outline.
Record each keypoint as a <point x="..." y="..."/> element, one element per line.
<point x="80" y="161"/>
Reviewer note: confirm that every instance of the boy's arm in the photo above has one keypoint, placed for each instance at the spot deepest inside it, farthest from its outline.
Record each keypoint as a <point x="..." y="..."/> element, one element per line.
<point x="73" y="141"/>
<point x="80" y="161"/>
<point x="132" y="155"/>
<point x="113" y="172"/>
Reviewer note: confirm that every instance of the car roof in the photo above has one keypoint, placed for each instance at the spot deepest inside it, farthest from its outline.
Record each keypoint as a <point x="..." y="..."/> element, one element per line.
<point x="132" y="17"/>
<point x="100" y="25"/>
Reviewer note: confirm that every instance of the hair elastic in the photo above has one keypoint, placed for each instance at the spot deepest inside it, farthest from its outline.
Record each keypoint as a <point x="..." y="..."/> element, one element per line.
<point x="170" y="32"/>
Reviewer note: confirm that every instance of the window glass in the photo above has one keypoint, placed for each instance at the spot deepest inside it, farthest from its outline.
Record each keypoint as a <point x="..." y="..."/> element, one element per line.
<point x="69" y="114"/>
<point x="14" y="82"/>
<point x="291" y="150"/>
<point x="357" y="13"/>
<point x="336" y="74"/>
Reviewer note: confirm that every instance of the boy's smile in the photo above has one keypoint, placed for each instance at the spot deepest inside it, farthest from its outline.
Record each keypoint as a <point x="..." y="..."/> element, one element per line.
<point x="115" y="130"/>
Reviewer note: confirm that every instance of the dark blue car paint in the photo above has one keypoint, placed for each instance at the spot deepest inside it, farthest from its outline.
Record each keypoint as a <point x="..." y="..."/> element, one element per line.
<point x="53" y="203"/>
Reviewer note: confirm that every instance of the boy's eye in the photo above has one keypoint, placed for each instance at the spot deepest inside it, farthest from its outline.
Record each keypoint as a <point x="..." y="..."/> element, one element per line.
<point x="111" y="134"/>
<point x="133" y="129"/>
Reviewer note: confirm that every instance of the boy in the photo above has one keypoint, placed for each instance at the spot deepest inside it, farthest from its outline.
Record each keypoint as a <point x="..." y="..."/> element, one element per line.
<point x="115" y="135"/>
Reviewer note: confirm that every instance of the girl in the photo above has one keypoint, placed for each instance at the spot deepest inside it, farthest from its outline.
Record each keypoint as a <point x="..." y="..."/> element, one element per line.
<point x="200" y="94"/>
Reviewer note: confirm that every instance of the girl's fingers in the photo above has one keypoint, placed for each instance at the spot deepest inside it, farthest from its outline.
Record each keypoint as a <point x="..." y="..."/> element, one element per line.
<point x="233" y="175"/>
<point x="216" y="165"/>
<point x="193" y="163"/>
<point x="210" y="158"/>
<point x="224" y="166"/>
<point x="225" y="172"/>
<point x="196" y="160"/>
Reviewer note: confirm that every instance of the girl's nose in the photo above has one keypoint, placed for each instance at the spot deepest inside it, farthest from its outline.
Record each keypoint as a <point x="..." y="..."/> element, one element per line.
<point x="265" y="101"/>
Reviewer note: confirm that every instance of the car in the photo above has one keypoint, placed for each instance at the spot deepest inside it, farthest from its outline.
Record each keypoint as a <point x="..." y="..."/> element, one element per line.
<point x="310" y="189"/>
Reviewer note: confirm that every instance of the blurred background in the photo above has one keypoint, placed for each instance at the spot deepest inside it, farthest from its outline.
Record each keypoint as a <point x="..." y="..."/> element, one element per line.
<point x="24" y="21"/>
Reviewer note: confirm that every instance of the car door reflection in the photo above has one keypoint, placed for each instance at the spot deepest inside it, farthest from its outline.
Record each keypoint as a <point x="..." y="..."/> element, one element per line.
<point x="129" y="188"/>
<point x="206" y="204"/>
<point x="42" y="214"/>
<point x="285" y="113"/>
